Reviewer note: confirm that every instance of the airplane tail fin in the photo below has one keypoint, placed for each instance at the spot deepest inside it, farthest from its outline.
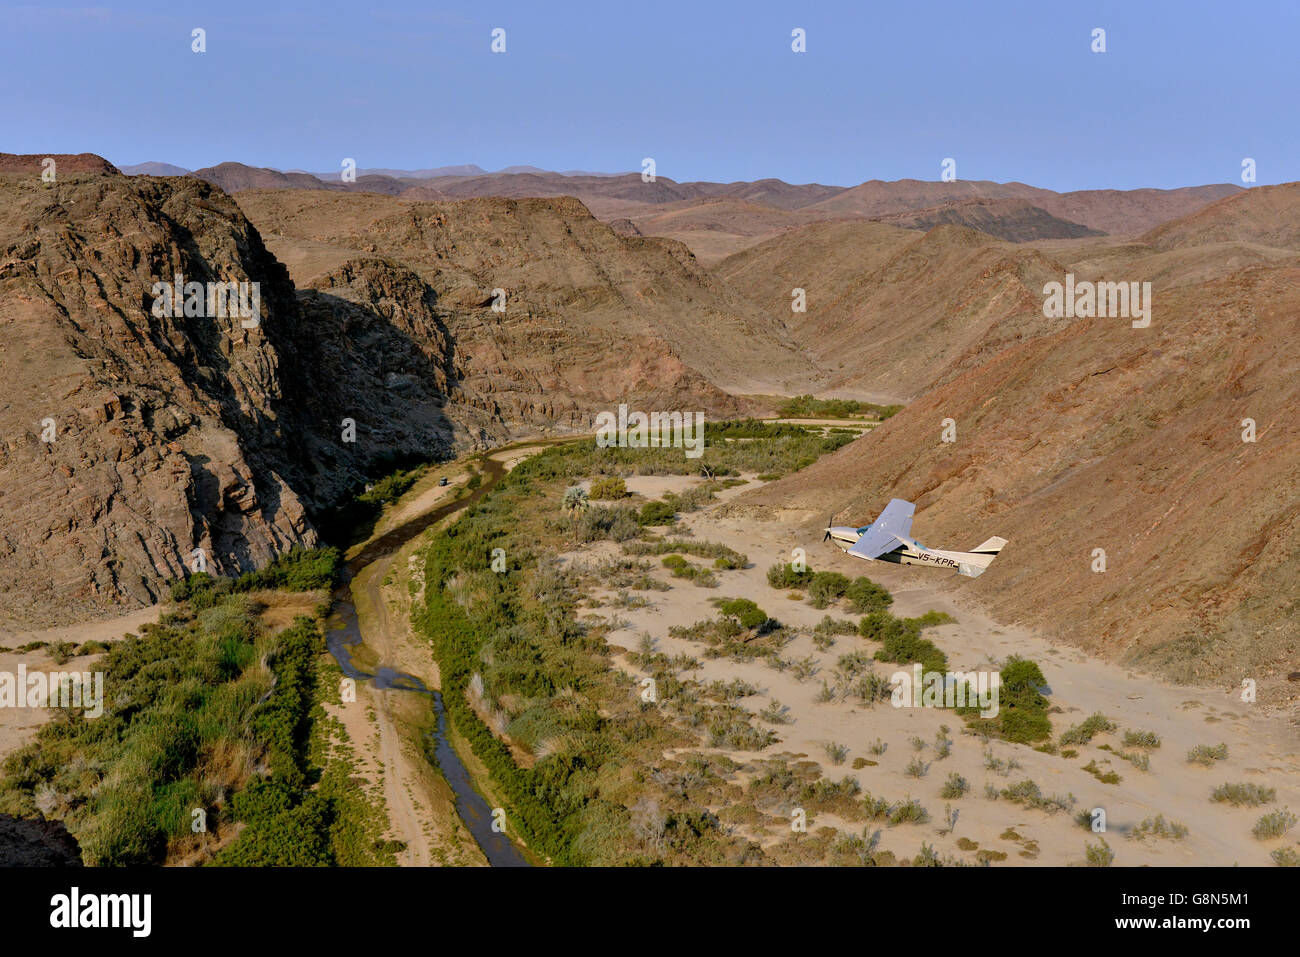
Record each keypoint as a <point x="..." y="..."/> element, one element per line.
<point x="979" y="559"/>
<point x="991" y="547"/>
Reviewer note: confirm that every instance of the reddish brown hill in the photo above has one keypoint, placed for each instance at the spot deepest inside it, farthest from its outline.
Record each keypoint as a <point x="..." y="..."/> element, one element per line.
<point x="32" y="163"/>
<point x="880" y="198"/>
<point x="1128" y="211"/>
<point x="1262" y="216"/>
<point x="775" y="193"/>
<point x="1076" y="435"/>
<point x="426" y="193"/>
<point x="1108" y="211"/>
<point x="133" y="439"/>
<point x="588" y="313"/>
<point x="717" y="227"/>
<point x="1014" y="220"/>
<point x="1098" y="435"/>
<point x="234" y="177"/>
<point x="890" y="312"/>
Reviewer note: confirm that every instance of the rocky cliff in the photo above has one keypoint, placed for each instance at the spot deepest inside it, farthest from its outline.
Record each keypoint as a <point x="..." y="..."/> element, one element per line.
<point x="131" y="439"/>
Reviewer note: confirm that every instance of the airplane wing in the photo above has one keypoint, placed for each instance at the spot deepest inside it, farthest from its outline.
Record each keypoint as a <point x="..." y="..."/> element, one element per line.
<point x="876" y="542"/>
<point x="886" y="533"/>
<point x="896" y="518"/>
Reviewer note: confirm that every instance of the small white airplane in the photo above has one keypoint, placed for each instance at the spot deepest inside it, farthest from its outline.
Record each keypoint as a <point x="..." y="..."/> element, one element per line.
<point x="887" y="539"/>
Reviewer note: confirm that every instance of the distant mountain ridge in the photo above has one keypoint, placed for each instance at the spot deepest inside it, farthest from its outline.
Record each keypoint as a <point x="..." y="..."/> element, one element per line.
<point x="469" y="169"/>
<point x="690" y="211"/>
<point x="153" y="168"/>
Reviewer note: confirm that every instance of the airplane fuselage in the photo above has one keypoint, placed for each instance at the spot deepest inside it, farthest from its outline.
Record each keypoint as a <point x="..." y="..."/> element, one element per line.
<point x="845" y="536"/>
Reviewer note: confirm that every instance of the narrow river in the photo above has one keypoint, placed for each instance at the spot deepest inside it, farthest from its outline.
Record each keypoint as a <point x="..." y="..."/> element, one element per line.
<point x="345" y="634"/>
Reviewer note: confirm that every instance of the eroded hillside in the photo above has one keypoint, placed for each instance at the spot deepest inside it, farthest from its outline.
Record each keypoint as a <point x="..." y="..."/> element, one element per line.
<point x="583" y="314"/>
<point x="1091" y="434"/>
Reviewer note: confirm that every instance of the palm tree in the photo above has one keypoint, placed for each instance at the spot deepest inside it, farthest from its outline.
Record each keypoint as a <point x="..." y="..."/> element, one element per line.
<point x="575" y="501"/>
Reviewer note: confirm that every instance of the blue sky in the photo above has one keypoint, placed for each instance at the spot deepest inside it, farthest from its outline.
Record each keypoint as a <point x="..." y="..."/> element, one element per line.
<point x="1010" y="90"/>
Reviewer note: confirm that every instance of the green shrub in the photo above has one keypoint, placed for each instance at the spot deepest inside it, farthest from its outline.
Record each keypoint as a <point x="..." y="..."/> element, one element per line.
<point x="876" y="625"/>
<point x="1139" y="759"/>
<point x="1243" y="795"/>
<point x="835" y="752"/>
<point x="834" y="626"/>
<point x="932" y="618"/>
<point x="775" y="713"/>
<point x="1105" y="777"/>
<point x="909" y="812"/>
<point x="681" y="568"/>
<point x="724" y="557"/>
<point x="1148" y="740"/>
<point x="1274" y="824"/>
<point x="299" y="569"/>
<point x="1021" y="678"/>
<point x="1205" y="755"/>
<point x="1158" y="827"/>
<point x="392" y="487"/>
<point x="656" y="513"/>
<point x="1028" y="793"/>
<point x="1022" y="710"/>
<point x="1083" y="732"/>
<point x="902" y="642"/>
<point x="807" y="407"/>
<point x="826" y="587"/>
<point x="1024" y="726"/>
<point x="784" y="575"/>
<point x="956" y="786"/>
<point x="745" y="611"/>
<point x="188" y="695"/>
<point x="123" y="831"/>
<point x="609" y="487"/>
<point x="1099" y="855"/>
<point x="865" y="596"/>
<point x="62" y="651"/>
<point x="618" y="524"/>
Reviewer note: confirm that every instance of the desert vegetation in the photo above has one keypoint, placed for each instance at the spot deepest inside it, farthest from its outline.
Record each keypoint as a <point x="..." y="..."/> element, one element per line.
<point x="546" y="672"/>
<point x="209" y="713"/>
<point x="1022" y="709"/>
<point x="807" y="407"/>
<point x="1206" y="755"/>
<point x="1243" y="795"/>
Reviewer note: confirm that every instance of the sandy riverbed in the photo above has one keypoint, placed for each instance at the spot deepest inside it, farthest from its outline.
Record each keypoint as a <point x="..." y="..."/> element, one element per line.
<point x="1262" y="745"/>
